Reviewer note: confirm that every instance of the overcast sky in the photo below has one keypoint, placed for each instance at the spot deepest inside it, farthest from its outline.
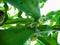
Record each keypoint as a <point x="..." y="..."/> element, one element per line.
<point x="50" y="5"/>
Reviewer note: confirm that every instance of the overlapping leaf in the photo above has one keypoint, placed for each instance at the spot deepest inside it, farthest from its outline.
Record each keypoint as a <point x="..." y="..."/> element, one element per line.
<point x="30" y="7"/>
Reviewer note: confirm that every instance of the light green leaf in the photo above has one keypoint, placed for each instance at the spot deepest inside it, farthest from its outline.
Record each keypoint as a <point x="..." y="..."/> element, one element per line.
<point x="42" y="5"/>
<point x="49" y="40"/>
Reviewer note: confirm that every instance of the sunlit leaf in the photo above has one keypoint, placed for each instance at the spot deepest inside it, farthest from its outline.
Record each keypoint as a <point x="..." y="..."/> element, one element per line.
<point x="50" y="14"/>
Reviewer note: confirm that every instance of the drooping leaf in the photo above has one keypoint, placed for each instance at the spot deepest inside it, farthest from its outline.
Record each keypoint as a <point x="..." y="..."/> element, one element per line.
<point x="15" y="36"/>
<point x="30" y="7"/>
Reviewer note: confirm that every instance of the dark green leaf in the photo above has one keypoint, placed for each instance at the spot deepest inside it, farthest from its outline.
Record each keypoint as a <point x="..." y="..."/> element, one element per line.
<point x="28" y="6"/>
<point x="58" y="12"/>
<point x="50" y="14"/>
<point x="57" y="17"/>
<point x="19" y="14"/>
<point x="15" y="36"/>
<point x="42" y="1"/>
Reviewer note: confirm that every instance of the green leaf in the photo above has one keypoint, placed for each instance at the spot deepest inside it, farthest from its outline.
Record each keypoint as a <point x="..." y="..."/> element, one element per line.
<point x="19" y="14"/>
<point x="1" y="8"/>
<point x="42" y="5"/>
<point x="30" y="7"/>
<point x="1" y="1"/>
<point x="1" y="17"/>
<point x="42" y="1"/>
<point x="57" y="17"/>
<point x="49" y="40"/>
<point x="15" y="36"/>
<point x="50" y="15"/>
<point x="27" y="42"/>
<point x="5" y="16"/>
<point x="39" y="43"/>
<point x="58" y="12"/>
<point x="19" y="20"/>
<point x="44" y="27"/>
<point x="52" y="21"/>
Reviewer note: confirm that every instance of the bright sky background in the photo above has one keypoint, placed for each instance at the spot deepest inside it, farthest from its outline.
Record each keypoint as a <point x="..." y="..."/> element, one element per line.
<point x="51" y="5"/>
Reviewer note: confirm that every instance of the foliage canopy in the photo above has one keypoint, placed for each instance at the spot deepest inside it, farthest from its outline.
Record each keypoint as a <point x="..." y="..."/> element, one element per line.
<point x="28" y="29"/>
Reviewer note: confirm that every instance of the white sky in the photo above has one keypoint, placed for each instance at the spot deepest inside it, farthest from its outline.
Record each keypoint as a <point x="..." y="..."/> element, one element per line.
<point x="50" y="5"/>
